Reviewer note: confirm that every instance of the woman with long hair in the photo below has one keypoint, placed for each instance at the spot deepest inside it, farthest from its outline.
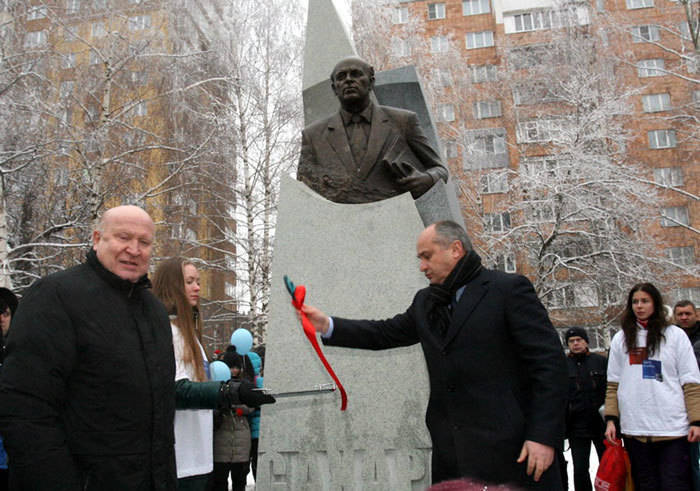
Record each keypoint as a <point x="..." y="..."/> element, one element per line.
<point x="653" y="396"/>
<point x="176" y="283"/>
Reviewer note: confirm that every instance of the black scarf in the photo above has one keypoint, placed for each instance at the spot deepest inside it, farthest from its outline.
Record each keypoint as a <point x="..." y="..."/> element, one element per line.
<point x="440" y="296"/>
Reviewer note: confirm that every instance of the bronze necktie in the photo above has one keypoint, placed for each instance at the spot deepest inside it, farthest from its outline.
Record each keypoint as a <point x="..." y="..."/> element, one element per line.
<point x="358" y="139"/>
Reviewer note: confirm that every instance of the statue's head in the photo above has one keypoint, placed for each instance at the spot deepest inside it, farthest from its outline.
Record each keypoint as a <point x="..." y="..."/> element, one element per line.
<point x="352" y="80"/>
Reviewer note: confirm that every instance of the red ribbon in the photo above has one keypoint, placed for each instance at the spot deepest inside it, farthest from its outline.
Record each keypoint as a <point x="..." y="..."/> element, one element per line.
<point x="298" y="302"/>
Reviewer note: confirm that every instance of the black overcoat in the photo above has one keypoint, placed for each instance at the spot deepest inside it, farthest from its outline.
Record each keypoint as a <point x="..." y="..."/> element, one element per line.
<point x="498" y="378"/>
<point x="87" y="388"/>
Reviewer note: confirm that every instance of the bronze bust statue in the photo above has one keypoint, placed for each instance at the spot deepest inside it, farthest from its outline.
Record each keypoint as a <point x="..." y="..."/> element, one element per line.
<point x="366" y="152"/>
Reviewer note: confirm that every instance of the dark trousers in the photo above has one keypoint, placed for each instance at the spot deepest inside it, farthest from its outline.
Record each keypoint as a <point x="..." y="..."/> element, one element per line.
<point x="238" y="471"/>
<point x="581" y="456"/>
<point x="254" y="457"/>
<point x="193" y="483"/>
<point x="658" y="466"/>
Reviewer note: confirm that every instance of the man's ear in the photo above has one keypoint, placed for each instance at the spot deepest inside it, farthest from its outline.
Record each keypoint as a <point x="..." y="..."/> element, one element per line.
<point x="95" y="238"/>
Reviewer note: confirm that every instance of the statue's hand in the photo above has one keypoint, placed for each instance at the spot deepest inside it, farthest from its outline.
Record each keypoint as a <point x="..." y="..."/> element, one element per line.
<point x="417" y="182"/>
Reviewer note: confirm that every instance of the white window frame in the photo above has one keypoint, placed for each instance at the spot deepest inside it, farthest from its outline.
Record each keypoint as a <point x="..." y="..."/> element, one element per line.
<point x="451" y="149"/>
<point x="654" y="103"/>
<point x="484" y="73"/>
<point x="681" y="255"/>
<point x="436" y="11"/>
<point x="446" y="112"/>
<point x="72" y="6"/>
<point x="639" y="4"/>
<point x="36" y="12"/>
<point x="692" y="294"/>
<point x="400" y="48"/>
<point x="505" y="263"/>
<point x="538" y="130"/>
<point x="497" y="222"/>
<point x="66" y="88"/>
<point x="645" y="33"/>
<point x="94" y="58"/>
<point x="487" y="109"/>
<point x="674" y="216"/>
<point x="659" y="139"/>
<point x="494" y="182"/>
<point x="98" y="29"/>
<point x="35" y="39"/>
<point x="652" y="67"/>
<point x="439" y="44"/>
<point x="139" y="22"/>
<point x="475" y="7"/>
<point x="669" y="176"/>
<point x="480" y="39"/>
<point x="442" y="77"/>
<point x="68" y="60"/>
<point x="141" y="109"/>
<point x="490" y="143"/>
<point x="400" y="15"/>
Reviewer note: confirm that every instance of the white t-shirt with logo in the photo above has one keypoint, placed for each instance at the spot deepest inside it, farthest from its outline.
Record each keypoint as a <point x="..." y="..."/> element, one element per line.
<point x="650" y="391"/>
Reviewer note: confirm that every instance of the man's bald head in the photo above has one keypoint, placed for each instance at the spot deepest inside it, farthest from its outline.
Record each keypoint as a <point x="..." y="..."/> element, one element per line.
<point x="123" y="241"/>
<point x="369" y="69"/>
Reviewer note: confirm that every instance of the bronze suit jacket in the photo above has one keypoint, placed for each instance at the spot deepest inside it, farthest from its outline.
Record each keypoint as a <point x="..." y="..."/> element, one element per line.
<point x="327" y="165"/>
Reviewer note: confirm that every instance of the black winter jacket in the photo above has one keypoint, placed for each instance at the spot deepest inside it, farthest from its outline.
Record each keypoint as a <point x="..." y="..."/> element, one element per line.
<point x="87" y="387"/>
<point x="587" y="383"/>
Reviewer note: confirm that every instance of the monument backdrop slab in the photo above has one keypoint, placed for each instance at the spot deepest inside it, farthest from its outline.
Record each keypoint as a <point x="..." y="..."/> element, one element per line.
<point x="355" y="261"/>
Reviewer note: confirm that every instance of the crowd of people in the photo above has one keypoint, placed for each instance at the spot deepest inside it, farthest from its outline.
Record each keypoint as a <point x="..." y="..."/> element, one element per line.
<point x="116" y="392"/>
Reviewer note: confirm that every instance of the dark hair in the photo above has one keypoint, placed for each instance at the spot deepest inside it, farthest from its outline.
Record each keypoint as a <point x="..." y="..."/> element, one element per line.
<point x="169" y="287"/>
<point x="8" y="300"/>
<point x="447" y="231"/>
<point x="683" y="303"/>
<point x="657" y="320"/>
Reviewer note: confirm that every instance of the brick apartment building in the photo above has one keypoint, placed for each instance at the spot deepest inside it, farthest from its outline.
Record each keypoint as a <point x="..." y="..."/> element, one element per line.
<point x="470" y="54"/>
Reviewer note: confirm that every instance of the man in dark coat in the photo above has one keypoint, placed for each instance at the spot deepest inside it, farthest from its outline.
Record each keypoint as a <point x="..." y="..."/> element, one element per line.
<point x="88" y="385"/>
<point x="497" y="372"/>
<point x="584" y="424"/>
<point x="366" y="152"/>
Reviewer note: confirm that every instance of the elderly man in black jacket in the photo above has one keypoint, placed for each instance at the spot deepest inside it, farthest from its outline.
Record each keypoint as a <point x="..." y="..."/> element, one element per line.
<point x="88" y="385"/>
<point x="497" y="372"/>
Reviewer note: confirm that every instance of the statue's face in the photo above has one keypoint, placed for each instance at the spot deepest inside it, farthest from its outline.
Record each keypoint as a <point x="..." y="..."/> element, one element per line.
<point x="352" y="82"/>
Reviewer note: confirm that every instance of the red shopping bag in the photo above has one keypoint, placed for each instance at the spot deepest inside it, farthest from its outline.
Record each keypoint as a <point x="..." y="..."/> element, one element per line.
<point x="613" y="470"/>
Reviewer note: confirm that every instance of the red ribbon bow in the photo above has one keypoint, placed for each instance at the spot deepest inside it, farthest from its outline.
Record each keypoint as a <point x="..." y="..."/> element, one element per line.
<point x="298" y="302"/>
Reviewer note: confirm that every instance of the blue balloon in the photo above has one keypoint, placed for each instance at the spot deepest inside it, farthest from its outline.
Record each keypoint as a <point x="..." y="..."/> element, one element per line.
<point x="219" y="371"/>
<point x="242" y="340"/>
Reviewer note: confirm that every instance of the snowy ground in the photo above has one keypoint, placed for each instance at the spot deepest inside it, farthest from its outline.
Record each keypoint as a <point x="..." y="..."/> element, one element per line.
<point x="593" y="467"/>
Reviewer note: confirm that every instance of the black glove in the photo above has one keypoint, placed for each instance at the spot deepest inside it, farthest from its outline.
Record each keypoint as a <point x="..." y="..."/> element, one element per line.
<point x="241" y="392"/>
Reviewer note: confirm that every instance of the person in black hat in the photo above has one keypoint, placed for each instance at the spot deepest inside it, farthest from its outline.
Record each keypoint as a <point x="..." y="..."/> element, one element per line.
<point x="584" y="425"/>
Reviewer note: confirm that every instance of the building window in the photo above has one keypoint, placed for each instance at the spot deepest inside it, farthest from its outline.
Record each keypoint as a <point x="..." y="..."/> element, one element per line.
<point x="65" y="90"/>
<point x="538" y="130"/>
<point x="475" y="7"/>
<point x="99" y="4"/>
<point x="400" y="15"/>
<point x="65" y="116"/>
<point x="495" y="182"/>
<point x="653" y="67"/>
<point x="400" y="47"/>
<point x="140" y="109"/>
<point x="662" y="139"/>
<point x="138" y="77"/>
<point x="484" y="73"/>
<point x="505" y="263"/>
<point x="439" y="44"/>
<point x="681" y="255"/>
<point x="436" y="11"/>
<point x="531" y="21"/>
<point x="481" y="39"/>
<point x="442" y="77"/>
<point x="579" y="295"/>
<point x="487" y="109"/>
<point x="94" y="57"/>
<point x="98" y="29"/>
<point x="72" y="6"/>
<point x="639" y="4"/>
<point x="35" y="39"/>
<point x="645" y="34"/>
<point x="653" y="103"/>
<point x="692" y="294"/>
<point x="496" y="222"/>
<point x="68" y="60"/>
<point x="91" y="114"/>
<point x="535" y="92"/>
<point x="490" y="143"/>
<point x="451" y="149"/>
<point x="139" y="22"/>
<point x="674" y="216"/>
<point x="35" y="13"/>
<point x="528" y="56"/>
<point x="446" y="112"/>
<point x="669" y="176"/>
